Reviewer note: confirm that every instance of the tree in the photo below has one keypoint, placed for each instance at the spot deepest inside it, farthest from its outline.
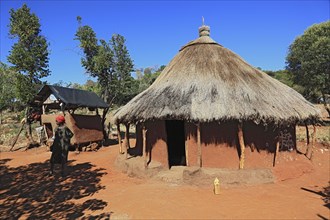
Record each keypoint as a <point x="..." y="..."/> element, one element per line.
<point x="29" y="54"/>
<point x="7" y="92"/>
<point x="109" y="62"/>
<point x="148" y="77"/>
<point x="309" y="61"/>
<point x="125" y="88"/>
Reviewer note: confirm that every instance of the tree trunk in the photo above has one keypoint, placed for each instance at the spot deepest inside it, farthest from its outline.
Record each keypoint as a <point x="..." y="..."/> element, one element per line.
<point x="325" y="104"/>
<point x="307" y="134"/>
<point x="310" y="148"/>
<point x="105" y="134"/>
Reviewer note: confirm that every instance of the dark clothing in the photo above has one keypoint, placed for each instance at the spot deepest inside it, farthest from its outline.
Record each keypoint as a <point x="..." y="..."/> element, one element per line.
<point x="60" y="147"/>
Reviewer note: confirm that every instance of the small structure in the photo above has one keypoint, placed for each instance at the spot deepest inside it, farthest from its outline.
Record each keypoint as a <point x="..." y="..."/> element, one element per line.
<point x="208" y="100"/>
<point x="86" y="128"/>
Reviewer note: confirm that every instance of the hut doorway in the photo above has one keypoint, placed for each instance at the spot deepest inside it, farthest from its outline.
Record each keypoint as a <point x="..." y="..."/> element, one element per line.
<point x="176" y="143"/>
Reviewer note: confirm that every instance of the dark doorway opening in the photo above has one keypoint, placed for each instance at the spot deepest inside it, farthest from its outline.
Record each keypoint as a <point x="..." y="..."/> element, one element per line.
<point x="176" y="143"/>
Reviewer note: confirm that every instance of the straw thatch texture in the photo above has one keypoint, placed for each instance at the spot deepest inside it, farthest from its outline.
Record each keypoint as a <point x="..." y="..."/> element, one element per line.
<point x="206" y="82"/>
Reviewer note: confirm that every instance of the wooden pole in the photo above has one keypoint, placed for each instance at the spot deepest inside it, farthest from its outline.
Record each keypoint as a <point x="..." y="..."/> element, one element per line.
<point x="144" y="134"/>
<point x="187" y="151"/>
<point x="309" y="152"/>
<point x="119" y="139"/>
<point x="307" y="134"/>
<point x="126" y="140"/>
<point x="277" y="150"/>
<point x="199" y="146"/>
<point x="242" y="145"/>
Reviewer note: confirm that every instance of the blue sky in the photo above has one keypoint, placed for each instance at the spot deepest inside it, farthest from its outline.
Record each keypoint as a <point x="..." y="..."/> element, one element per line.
<point x="259" y="31"/>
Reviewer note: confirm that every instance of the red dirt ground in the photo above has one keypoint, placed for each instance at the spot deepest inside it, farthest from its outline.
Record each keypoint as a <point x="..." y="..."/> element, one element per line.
<point x="95" y="189"/>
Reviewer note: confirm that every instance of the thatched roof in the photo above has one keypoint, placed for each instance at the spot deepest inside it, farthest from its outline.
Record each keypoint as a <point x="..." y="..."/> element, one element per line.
<point x="206" y="82"/>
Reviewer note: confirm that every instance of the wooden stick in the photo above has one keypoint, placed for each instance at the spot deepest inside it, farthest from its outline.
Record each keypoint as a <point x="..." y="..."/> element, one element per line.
<point x="277" y="150"/>
<point x="16" y="138"/>
<point x="307" y="134"/>
<point x="242" y="145"/>
<point x="119" y="139"/>
<point x="126" y="140"/>
<point x="199" y="146"/>
<point x="144" y="134"/>
<point x="309" y="152"/>
<point x="187" y="151"/>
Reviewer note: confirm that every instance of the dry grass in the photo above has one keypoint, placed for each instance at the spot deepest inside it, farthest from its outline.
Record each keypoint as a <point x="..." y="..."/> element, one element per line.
<point x="207" y="82"/>
<point x="322" y="134"/>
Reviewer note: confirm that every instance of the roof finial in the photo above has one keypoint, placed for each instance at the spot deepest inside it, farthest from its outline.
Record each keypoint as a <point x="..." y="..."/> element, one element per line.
<point x="204" y="30"/>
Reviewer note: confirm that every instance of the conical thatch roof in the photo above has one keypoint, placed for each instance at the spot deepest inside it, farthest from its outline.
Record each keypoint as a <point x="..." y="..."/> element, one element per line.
<point x="206" y="82"/>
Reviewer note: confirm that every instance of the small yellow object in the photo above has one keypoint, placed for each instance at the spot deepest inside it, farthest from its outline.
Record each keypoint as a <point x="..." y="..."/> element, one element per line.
<point x="216" y="184"/>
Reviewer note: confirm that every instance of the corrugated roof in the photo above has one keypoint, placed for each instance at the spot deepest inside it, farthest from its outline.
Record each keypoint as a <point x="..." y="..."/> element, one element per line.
<point x="72" y="98"/>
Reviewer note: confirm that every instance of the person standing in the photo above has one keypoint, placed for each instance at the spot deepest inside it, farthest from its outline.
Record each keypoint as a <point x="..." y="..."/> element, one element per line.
<point x="61" y="144"/>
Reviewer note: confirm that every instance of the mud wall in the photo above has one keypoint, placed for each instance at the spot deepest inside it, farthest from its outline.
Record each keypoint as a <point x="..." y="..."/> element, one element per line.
<point x="219" y="141"/>
<point x="156" y="142"/>
<point x="86" y="128"/>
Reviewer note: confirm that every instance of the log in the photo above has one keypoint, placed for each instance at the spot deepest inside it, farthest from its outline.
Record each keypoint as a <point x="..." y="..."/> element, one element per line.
<point x="126" y="140"/>
<point x="144" y="134"/>
<point x="311" y="148"/>
<point x="119" y="139"/>
<point x="277" y="150"/>
<point x="199" y="146"/>
<point x="307" y="134"/>
<point x="242" y="145"/>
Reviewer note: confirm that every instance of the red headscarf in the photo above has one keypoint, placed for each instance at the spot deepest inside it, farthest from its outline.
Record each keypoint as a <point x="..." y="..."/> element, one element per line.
<point x="60" y="119"/>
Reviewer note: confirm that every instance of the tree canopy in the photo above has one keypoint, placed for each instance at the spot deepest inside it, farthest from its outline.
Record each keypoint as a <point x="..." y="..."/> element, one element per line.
<point x="109" y="62"/>
<point x="29" y="55"/>
<point x="308" y="60"/>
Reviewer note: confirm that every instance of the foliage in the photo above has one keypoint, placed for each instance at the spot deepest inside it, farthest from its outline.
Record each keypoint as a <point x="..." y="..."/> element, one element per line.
<point x="283" y="76"/>
<point x="148" y="76"/>
<point x="109" y="62"/>
<point x="7" y="93"/>
<point x="125" y="86"/>
<point x="90" y="85"/>
<point x="308" y="60"/>
<point x="29" y="54"/>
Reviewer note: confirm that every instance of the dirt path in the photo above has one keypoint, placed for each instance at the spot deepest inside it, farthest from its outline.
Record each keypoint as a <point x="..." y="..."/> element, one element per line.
<point x="95" y="189"/>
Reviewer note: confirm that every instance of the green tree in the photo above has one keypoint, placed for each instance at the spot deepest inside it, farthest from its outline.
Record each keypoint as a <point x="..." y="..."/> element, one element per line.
<point x="29" y="55"/>
<point x="125" y="88"/>
<point x="97" y="60"/>
<point x="283" y="76"/>
<point x="309" y="61"/>
<point x="109" y="62"/>
<point x="7" y="91"/>
<point x="148" y="77"/>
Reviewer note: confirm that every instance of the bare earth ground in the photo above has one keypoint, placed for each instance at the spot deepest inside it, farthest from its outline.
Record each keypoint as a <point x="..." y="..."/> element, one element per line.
<point x="95" y="189"/>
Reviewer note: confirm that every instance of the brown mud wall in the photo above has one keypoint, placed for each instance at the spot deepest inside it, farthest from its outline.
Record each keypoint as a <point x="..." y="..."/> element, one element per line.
<point x="86" y="128"/>
<point x="156" y="141"/>
<point x="219" y="141"/>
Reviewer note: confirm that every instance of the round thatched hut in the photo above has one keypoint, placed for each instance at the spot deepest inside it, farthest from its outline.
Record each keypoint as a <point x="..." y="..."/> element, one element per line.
<point x="208" y="99"/>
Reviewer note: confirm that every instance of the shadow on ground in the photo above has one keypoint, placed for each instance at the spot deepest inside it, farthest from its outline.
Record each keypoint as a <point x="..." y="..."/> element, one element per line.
<point x="29" y="192"/>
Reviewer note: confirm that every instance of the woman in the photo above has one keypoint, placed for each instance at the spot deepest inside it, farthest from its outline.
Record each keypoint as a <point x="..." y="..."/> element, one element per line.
<point x="60" y="147"/>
